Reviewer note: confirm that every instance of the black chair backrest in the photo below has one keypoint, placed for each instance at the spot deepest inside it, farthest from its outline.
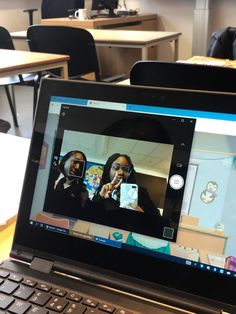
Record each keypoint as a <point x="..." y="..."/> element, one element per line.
<point x="78" y="43"/>
<point x="6" y="42"/>
<point x="59" y="8"/>
<point x="222" y="44"/>
<point x="183" y="75"/>
<point x="5" y="39"/>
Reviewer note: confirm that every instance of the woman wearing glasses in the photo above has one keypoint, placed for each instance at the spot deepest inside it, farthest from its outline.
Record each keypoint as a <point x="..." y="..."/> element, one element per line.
<point x="139" y="214"/>
<point x="118" y="173"/>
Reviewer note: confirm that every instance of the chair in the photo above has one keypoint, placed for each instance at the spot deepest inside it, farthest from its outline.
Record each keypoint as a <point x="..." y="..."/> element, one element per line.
<point x="55" y="8"/>
<point x="222" y="44"/>
<point x="76" y="42"/>
<point x="59" y="8"/>
<point x="24" y="79"/>
<point x="4" y="126"/>
<point x="30" y="15"/>
<point x="183" y="75"/>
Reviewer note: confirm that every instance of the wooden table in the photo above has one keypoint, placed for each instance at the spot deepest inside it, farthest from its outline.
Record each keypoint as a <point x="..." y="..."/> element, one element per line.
<point x="120" y="61"/>
<point x="135" y="39"/>
<point x="126" y="39"/>
<point x="136" y="22"/>
<point x="6" y="237"/>
<point x="115" y="59"/>
<point x="14" y="62"/>
<point x="13" y="157"/>
<point x="211" y="61"/>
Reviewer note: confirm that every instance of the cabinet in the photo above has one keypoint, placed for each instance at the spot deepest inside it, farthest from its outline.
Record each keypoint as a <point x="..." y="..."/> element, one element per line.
<point x="202" y="239"/>
<point x="114" y="60"/>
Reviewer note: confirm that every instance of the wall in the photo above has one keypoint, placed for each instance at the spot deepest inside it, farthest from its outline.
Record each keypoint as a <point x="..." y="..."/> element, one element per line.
<point x="12" y="16"/>
<point x="174" y="15"/>
<point x="223" y="14"/>
<point x="171" y="17"/>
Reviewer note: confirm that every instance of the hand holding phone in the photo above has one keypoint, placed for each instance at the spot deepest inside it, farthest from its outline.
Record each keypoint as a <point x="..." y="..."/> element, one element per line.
<point x="128" y="195"/>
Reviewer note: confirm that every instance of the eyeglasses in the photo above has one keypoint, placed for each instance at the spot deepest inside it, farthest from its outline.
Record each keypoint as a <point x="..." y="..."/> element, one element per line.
<point x="77" y="162"/>
<point x="117" y="167"/>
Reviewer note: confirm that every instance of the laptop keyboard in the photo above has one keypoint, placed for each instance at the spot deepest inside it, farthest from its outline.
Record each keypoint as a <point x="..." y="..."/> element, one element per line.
<point x="21" y="295"/>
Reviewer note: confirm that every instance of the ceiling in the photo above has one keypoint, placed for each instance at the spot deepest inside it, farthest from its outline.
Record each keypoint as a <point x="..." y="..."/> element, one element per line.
<point x="147" y="157"/>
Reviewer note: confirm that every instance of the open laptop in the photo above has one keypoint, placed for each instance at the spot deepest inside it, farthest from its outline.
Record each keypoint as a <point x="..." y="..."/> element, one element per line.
<point x="128" y="203"/>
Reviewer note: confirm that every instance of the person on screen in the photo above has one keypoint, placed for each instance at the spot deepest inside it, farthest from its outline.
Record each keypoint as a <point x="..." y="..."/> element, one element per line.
<point x="117" y="170"/>
<point x="68" y="195"/>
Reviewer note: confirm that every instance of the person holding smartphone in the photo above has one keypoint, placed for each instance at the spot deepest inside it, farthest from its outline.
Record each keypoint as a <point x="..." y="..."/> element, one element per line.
<point x="119" y="171"/>
<point x="139" y="215"/>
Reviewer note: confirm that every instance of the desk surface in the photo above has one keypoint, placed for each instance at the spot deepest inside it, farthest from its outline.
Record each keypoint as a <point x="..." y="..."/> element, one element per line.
<point x="13" y="62"/>
<point x="131" y="37"/>
<point x="99" y="22"/>
<point x="121" y="36"/>
<point x="211" y="61"/>
<point x="6" y="237"/>
<point x="13" y="157"/>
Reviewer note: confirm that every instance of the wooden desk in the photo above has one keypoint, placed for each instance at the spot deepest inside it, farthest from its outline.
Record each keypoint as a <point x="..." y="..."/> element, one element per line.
<point x="137" y="22"/>
<point x="211" y="61"/>
<point x="120" y="51"/>
<point x="113" y="63"/>
<point x="13" y="157"/>
<point x="14" y="62"/>
<point x="113" y="60"/>
<point x="6" y="237"/>
<point x="135" y="39"/>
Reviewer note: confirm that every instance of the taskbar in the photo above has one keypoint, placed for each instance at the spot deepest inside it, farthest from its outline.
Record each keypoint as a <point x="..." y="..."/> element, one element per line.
<point x="144" y="251"/>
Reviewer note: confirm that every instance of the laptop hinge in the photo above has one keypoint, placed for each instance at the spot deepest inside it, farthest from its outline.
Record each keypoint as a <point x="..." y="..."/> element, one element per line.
<point x="21" y="255"/>
<point x="41" y="265"/>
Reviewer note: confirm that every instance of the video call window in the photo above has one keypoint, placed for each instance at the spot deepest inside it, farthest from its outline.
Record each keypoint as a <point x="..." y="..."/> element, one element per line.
<point x="208" y="201"/>
<point x="107" y="172"/>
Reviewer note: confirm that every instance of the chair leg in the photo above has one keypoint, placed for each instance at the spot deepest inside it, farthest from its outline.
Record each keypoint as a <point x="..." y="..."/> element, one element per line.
<point x="13" y="96"/>
<point x="35" y="97"/>
<point x="12" y="106"/>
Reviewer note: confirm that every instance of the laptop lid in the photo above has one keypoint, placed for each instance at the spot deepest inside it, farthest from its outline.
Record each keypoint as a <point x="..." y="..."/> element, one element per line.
<point x="133" y="181"/>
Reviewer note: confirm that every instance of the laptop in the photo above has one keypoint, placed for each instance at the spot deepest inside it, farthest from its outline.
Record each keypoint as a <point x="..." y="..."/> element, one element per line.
<point x="128" y="203"/>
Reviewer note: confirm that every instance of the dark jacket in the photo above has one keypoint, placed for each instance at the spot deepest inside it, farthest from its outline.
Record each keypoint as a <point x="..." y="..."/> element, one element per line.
<point x="66" y="201"/>
<point x="222" y="44"/>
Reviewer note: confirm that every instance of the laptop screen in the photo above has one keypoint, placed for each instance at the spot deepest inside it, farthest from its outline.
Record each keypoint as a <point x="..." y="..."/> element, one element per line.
<point x="138" y="178"/>
<point x="141" y="178"/>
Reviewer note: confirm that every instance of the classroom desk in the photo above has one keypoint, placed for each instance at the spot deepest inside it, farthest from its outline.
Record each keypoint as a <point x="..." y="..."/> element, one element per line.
<point x="6" y="237"/>
<point x="115" y="60"/>
<point x="137" y="22"/>
<point x="127" y="39"/>
<point x="211" y="61"/>
<point x="135" y="39"/>
<point x="13" y="157"/>
<point x="124" y="39"/>
<point x="14" y="62"/>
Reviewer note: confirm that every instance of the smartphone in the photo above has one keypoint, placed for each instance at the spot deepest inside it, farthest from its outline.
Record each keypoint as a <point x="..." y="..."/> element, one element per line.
<point x="128" y="195"/>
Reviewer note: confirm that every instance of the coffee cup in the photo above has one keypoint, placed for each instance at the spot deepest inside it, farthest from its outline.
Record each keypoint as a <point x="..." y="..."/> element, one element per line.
<point x="81" y="14"/>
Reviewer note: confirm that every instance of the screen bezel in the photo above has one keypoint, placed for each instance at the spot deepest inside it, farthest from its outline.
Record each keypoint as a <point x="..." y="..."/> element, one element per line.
<point x="156" y="270"/>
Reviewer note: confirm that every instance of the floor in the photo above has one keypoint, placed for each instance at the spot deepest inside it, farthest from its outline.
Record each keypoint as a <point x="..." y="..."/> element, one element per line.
<point x="24" y="105"/>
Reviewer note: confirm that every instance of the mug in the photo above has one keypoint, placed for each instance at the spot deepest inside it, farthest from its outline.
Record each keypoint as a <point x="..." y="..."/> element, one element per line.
<point x="81" y="14"/>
